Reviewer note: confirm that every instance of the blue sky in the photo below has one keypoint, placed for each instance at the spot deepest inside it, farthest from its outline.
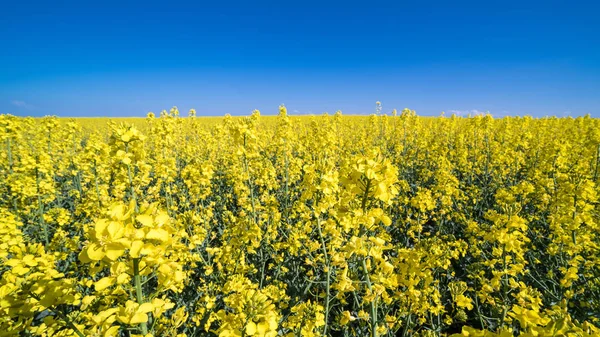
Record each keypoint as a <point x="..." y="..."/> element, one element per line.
<point x="121" y="58"/>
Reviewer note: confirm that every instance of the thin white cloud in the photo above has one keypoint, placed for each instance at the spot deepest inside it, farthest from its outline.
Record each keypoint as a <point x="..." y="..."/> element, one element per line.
<point x="467" y="112"/>
<point x="22" y="104"/>
<point x="301" y="113"/>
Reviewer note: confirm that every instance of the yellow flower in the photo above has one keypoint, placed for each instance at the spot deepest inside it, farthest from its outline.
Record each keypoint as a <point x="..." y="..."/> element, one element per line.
<point x="109" y="241"/>
<point x="463" y="301"/>
<point x="527" y="317"/>
<point x="133" y="313"/>
<point x="346" y="318"/>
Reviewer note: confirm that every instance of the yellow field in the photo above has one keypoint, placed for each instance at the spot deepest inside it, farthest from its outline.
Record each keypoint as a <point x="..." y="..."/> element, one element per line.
<point x="299" y="226"/>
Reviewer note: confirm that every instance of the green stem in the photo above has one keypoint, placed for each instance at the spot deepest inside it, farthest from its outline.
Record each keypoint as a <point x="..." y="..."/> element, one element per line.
<point x="504" y="288"/>
<point x="366" y="196"/>
<point x="479" y="315"/>
<point x="373" y="303"/>
<point x="327" y="289"/>
<point x="138" y="290"/>
<point x="366" y="270"/>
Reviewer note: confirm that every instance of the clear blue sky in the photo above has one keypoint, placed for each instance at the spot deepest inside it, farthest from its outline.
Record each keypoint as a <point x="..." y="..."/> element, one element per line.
<point x="120" y="58"/>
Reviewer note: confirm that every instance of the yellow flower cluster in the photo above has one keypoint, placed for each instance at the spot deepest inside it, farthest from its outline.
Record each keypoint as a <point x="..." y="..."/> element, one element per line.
<point x="382" y="225"/>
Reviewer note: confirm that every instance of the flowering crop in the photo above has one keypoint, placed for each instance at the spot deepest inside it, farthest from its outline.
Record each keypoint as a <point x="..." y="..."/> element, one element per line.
<point x="300" y="226"/>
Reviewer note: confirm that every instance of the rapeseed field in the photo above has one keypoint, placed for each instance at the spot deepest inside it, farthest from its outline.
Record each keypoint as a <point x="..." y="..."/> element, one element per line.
<point x="332" y="225"/>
